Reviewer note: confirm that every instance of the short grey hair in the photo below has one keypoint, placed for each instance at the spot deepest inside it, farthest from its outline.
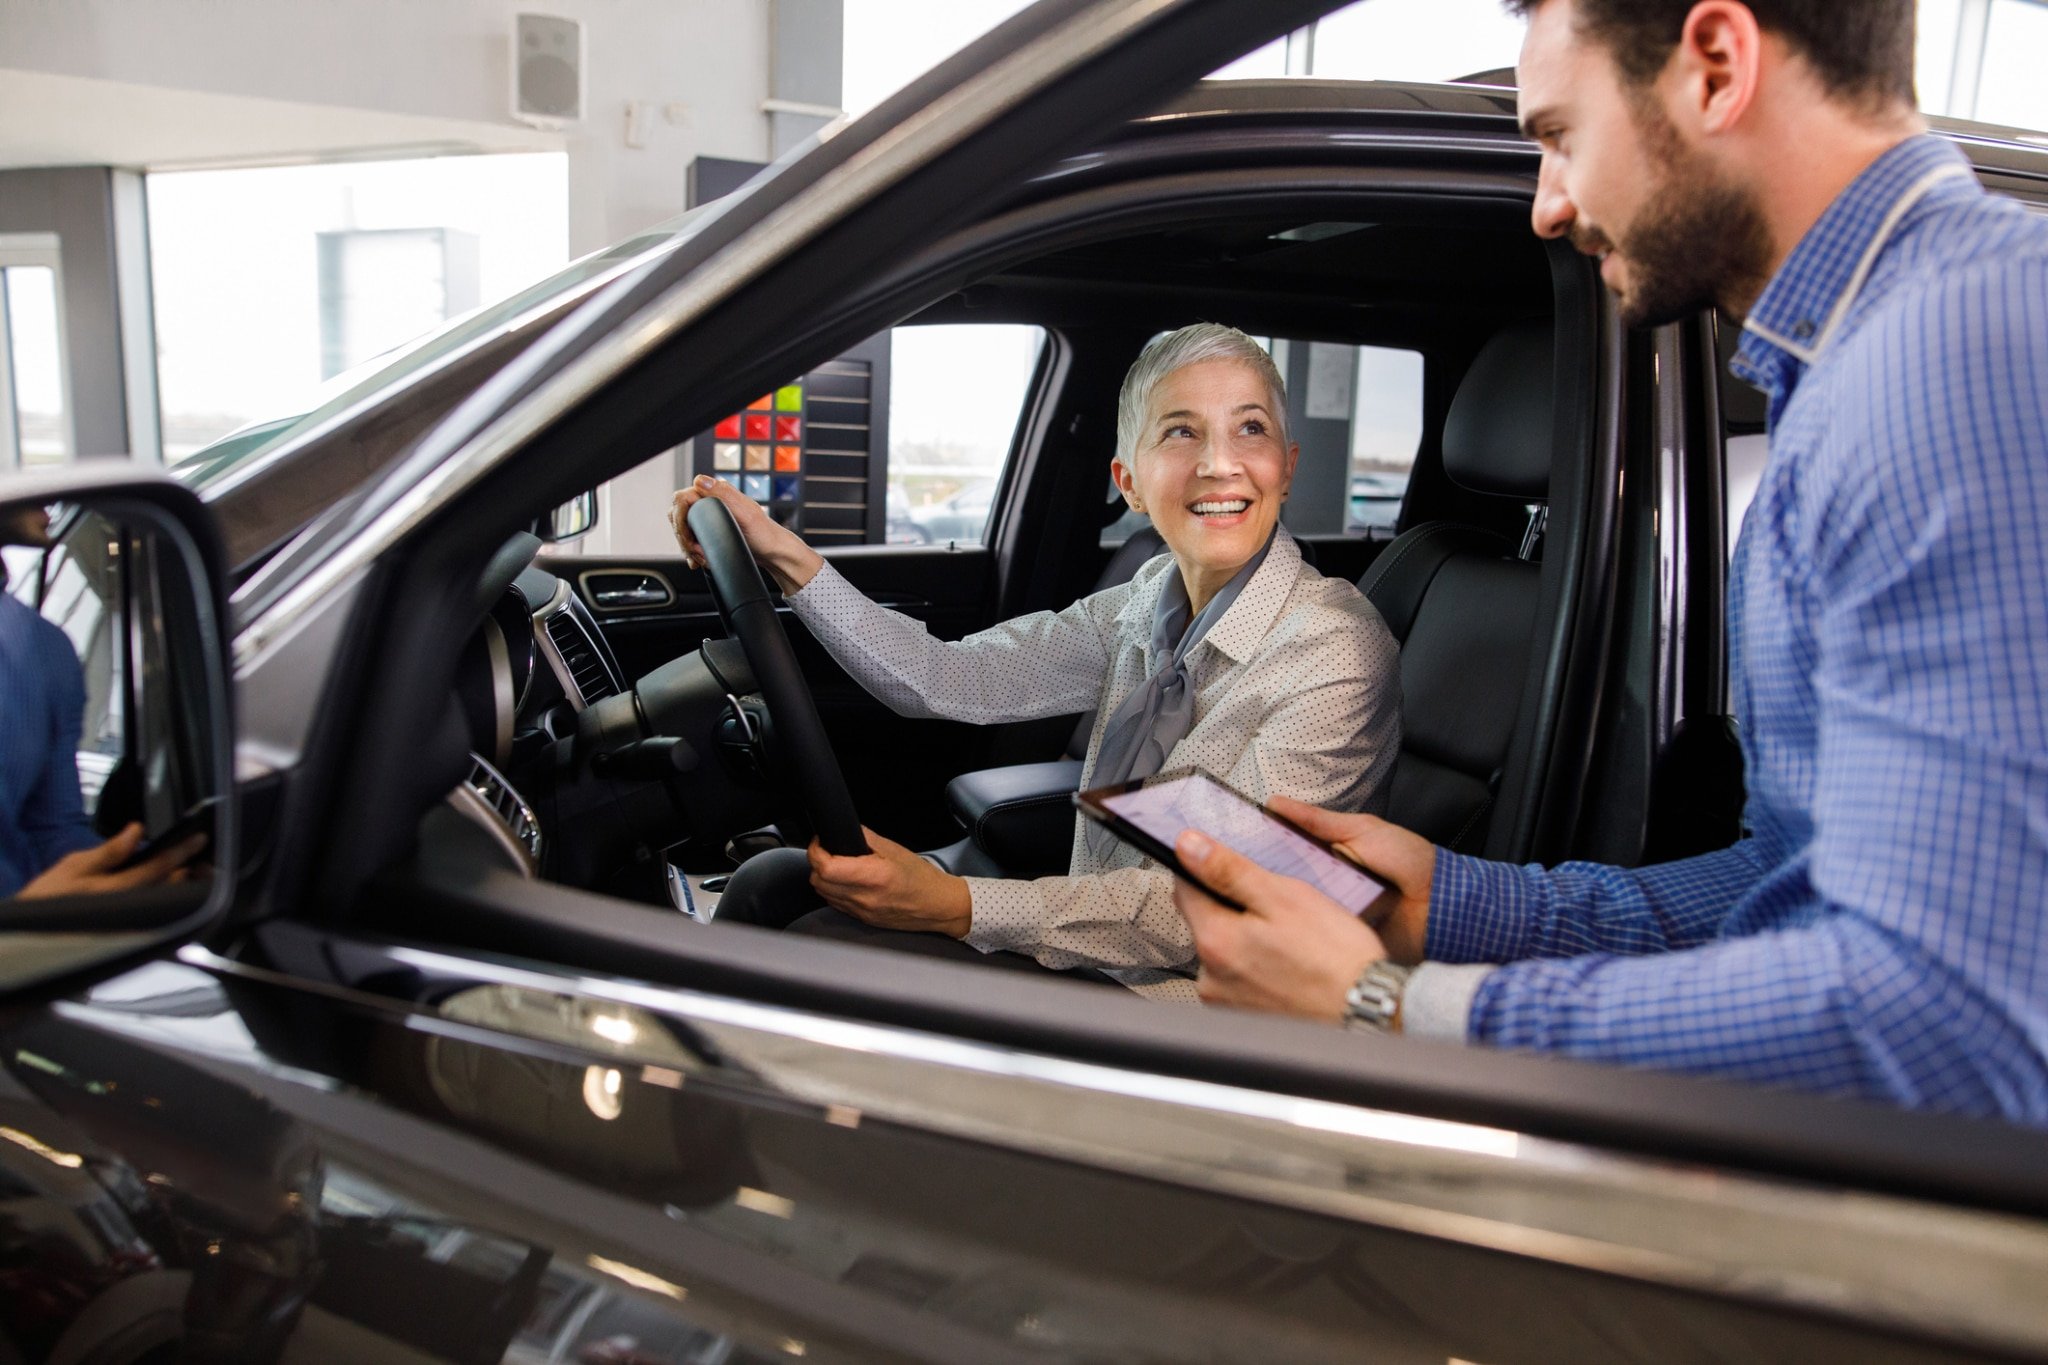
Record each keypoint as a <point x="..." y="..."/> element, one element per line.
<point x="1192" y="345"/>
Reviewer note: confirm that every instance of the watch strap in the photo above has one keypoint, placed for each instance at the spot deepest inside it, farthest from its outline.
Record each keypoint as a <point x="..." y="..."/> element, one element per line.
<point x="1374" y="1000"/>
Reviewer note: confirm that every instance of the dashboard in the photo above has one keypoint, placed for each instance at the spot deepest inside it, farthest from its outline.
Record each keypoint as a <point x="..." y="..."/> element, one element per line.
<point x="533" y="666"/>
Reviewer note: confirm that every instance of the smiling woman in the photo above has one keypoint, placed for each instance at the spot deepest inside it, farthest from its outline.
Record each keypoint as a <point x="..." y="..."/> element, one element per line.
<point x="1203" y="451"/>
<point x="1227" y="654"/>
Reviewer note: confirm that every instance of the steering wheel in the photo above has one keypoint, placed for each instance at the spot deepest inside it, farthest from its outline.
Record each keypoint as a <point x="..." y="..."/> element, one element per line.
<point x="800" y="758"/>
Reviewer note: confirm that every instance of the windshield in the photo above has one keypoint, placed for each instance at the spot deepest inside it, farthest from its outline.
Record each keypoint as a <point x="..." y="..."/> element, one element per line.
<point x="212" y="464"/>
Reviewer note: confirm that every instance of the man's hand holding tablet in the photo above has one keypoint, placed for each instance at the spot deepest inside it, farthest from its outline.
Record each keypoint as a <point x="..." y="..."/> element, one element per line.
<point x="1292" y="944"/>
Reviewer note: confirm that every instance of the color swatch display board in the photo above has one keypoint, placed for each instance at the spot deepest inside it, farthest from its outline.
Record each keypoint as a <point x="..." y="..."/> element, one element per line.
<point x="815" y="452"/>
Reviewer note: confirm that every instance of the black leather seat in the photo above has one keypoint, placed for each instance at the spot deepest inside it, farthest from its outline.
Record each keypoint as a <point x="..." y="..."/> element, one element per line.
<point x="1462" y="600"/>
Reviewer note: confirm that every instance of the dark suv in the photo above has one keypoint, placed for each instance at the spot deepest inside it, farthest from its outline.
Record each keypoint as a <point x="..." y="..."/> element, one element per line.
<point x="448" y="1065"/>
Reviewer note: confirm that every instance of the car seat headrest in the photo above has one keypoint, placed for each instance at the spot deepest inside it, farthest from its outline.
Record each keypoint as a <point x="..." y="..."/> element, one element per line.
<point x="1500" y="429"/>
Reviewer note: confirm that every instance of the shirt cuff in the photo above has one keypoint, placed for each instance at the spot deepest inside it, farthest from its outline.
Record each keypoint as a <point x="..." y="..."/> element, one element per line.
<point x="1481" y="911"/>
<point x="1004" y="915"/>
<point x="827" y="586"/>
<point x="1437" y="1002"/>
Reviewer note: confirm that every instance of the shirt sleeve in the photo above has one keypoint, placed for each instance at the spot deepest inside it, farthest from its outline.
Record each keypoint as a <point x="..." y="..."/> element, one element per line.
<point x="1318" y="746"/>
<point x="1482" y="911"/>
<point x="53" y="816"/>
<point x="1044" y="664"/>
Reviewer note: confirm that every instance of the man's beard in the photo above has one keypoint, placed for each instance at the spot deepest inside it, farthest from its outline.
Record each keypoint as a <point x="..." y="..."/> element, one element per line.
<point x="1698" y="242"/>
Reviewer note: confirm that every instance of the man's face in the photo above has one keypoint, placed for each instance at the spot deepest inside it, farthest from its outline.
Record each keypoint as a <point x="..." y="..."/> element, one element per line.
<point x="1672" y="232"/>
<point x="25" y="526"/>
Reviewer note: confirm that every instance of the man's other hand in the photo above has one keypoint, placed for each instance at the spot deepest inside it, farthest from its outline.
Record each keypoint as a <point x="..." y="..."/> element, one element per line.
<point x="102" y="870"/>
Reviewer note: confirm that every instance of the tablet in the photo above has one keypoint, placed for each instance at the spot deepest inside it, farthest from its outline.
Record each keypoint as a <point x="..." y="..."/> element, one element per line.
<point x="1151" y="814"/>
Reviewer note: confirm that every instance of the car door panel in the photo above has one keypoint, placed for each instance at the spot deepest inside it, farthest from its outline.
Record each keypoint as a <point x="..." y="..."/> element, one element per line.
<point x="516" y="1143"/>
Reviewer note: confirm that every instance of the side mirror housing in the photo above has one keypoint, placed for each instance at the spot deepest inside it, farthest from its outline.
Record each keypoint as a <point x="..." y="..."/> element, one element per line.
<point x="120" y="837"/>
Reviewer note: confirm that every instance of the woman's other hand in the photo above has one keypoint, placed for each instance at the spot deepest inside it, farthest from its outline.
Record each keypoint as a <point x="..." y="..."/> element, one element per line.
<point x="893" y="888"/>
<point x="776" y="548"/>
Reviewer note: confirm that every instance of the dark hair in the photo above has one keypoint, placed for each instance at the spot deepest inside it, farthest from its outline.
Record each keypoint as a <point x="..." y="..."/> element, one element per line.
<point x="1861" y="49"/>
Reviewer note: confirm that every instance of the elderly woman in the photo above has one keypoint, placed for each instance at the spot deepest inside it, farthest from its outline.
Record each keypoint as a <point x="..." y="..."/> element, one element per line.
<point x="1229" y="654"/>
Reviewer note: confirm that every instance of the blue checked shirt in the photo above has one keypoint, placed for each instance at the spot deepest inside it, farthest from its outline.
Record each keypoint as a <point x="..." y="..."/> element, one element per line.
<point x="1879" y="931"/>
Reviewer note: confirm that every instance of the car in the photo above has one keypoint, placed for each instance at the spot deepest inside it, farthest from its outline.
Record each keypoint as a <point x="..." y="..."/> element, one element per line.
<point x="960" y="517"/>
<point x="444" y="1062"/>
<point x="1376" y="501"/>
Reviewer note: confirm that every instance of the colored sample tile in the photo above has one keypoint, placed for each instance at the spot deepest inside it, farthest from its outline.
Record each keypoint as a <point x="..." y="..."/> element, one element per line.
<point x="732" y="479"/>
<point x="728" y="430"/>
<point x="785" y="487"/>
<point x="789" y="459"/>
<point x="789" y="428"/>
<point x="757" y="457"/>
<point x="760" y="428"/>
<point x="756" y="486"/>
<point x="789" y="398"/>
<point x="725" y="455"/>
<point x="762" y="404"/>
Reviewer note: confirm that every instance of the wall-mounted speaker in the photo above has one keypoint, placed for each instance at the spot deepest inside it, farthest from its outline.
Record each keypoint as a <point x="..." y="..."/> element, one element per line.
<point x="547" y="70"/>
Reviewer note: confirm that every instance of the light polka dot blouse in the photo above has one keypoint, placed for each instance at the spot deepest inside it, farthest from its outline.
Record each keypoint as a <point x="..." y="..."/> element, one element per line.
<point x="1297" y="693"/>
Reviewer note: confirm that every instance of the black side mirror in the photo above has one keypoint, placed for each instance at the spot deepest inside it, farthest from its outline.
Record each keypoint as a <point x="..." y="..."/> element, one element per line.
<point x="117" y="819"/>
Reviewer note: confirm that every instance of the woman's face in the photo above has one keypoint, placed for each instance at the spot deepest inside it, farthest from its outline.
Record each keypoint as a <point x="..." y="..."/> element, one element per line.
<point x="1211" y="470"/>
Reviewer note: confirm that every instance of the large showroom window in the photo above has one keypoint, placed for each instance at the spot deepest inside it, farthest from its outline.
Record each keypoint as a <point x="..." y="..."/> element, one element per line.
<point x="270" y="282"/>
<point x="1978" y="58"/>
<point x="35" y="425"/>
<point x="2010" y="89"/>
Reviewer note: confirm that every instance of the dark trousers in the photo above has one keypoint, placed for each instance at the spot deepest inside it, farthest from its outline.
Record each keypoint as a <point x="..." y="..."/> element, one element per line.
<point x="773" y="890"/>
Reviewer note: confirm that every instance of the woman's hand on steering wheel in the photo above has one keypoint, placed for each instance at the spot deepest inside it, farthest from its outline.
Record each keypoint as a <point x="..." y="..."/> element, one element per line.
<point x="780" y="550"/>
<point x="893" y="888"/>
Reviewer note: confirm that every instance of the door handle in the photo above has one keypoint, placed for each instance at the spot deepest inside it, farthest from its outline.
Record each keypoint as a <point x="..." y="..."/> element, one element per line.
<point x="627" y="590"/>
<point x="630" y="597"/>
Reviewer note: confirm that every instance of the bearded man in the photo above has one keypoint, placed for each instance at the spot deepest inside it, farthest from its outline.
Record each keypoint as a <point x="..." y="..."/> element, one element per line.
<point x="1878" y="931"/>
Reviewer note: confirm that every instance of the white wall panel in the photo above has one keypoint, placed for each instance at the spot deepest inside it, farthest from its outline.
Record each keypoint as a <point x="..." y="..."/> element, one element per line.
<point x="697" y="70"/>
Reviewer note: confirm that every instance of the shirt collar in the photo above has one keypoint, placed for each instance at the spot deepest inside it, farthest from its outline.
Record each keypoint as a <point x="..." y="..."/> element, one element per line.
<point x="1803" y="306"/>
<point x="1255" y="609"/>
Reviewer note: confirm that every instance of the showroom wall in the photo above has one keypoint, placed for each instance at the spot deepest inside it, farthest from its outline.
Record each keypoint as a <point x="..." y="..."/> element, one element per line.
<point x="693" y="73"/>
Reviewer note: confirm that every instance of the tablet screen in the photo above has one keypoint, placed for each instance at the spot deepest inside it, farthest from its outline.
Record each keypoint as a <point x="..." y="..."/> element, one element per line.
<point x="1199" y="802"/>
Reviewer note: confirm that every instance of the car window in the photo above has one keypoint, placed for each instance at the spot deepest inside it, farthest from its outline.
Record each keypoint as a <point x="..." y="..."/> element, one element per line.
<point x="900" y="440"/>
<point x="1356" y="412"/>
<point x="956" y="394"/>
<point x="399" y="366"/>
<point x="1385" y="431"/>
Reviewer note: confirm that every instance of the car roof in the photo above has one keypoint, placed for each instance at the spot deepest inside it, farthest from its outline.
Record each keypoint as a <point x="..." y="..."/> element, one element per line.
<point x="1464" y="111"/>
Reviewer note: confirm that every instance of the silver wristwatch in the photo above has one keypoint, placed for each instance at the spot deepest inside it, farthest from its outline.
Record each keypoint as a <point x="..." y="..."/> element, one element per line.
<point x="1374" y="1000"/>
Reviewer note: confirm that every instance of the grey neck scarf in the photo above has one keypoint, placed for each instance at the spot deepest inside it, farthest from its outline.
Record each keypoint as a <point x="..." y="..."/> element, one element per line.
<point x="1160" y="711"/>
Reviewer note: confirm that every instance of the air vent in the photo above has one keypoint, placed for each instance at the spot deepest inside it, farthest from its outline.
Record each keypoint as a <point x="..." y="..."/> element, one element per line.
<point x="580" y="658"/>
<point x="486" y="797"/>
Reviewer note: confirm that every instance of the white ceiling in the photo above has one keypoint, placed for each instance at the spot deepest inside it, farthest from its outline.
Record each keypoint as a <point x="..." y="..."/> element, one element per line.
<point x="57" y="120"/>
